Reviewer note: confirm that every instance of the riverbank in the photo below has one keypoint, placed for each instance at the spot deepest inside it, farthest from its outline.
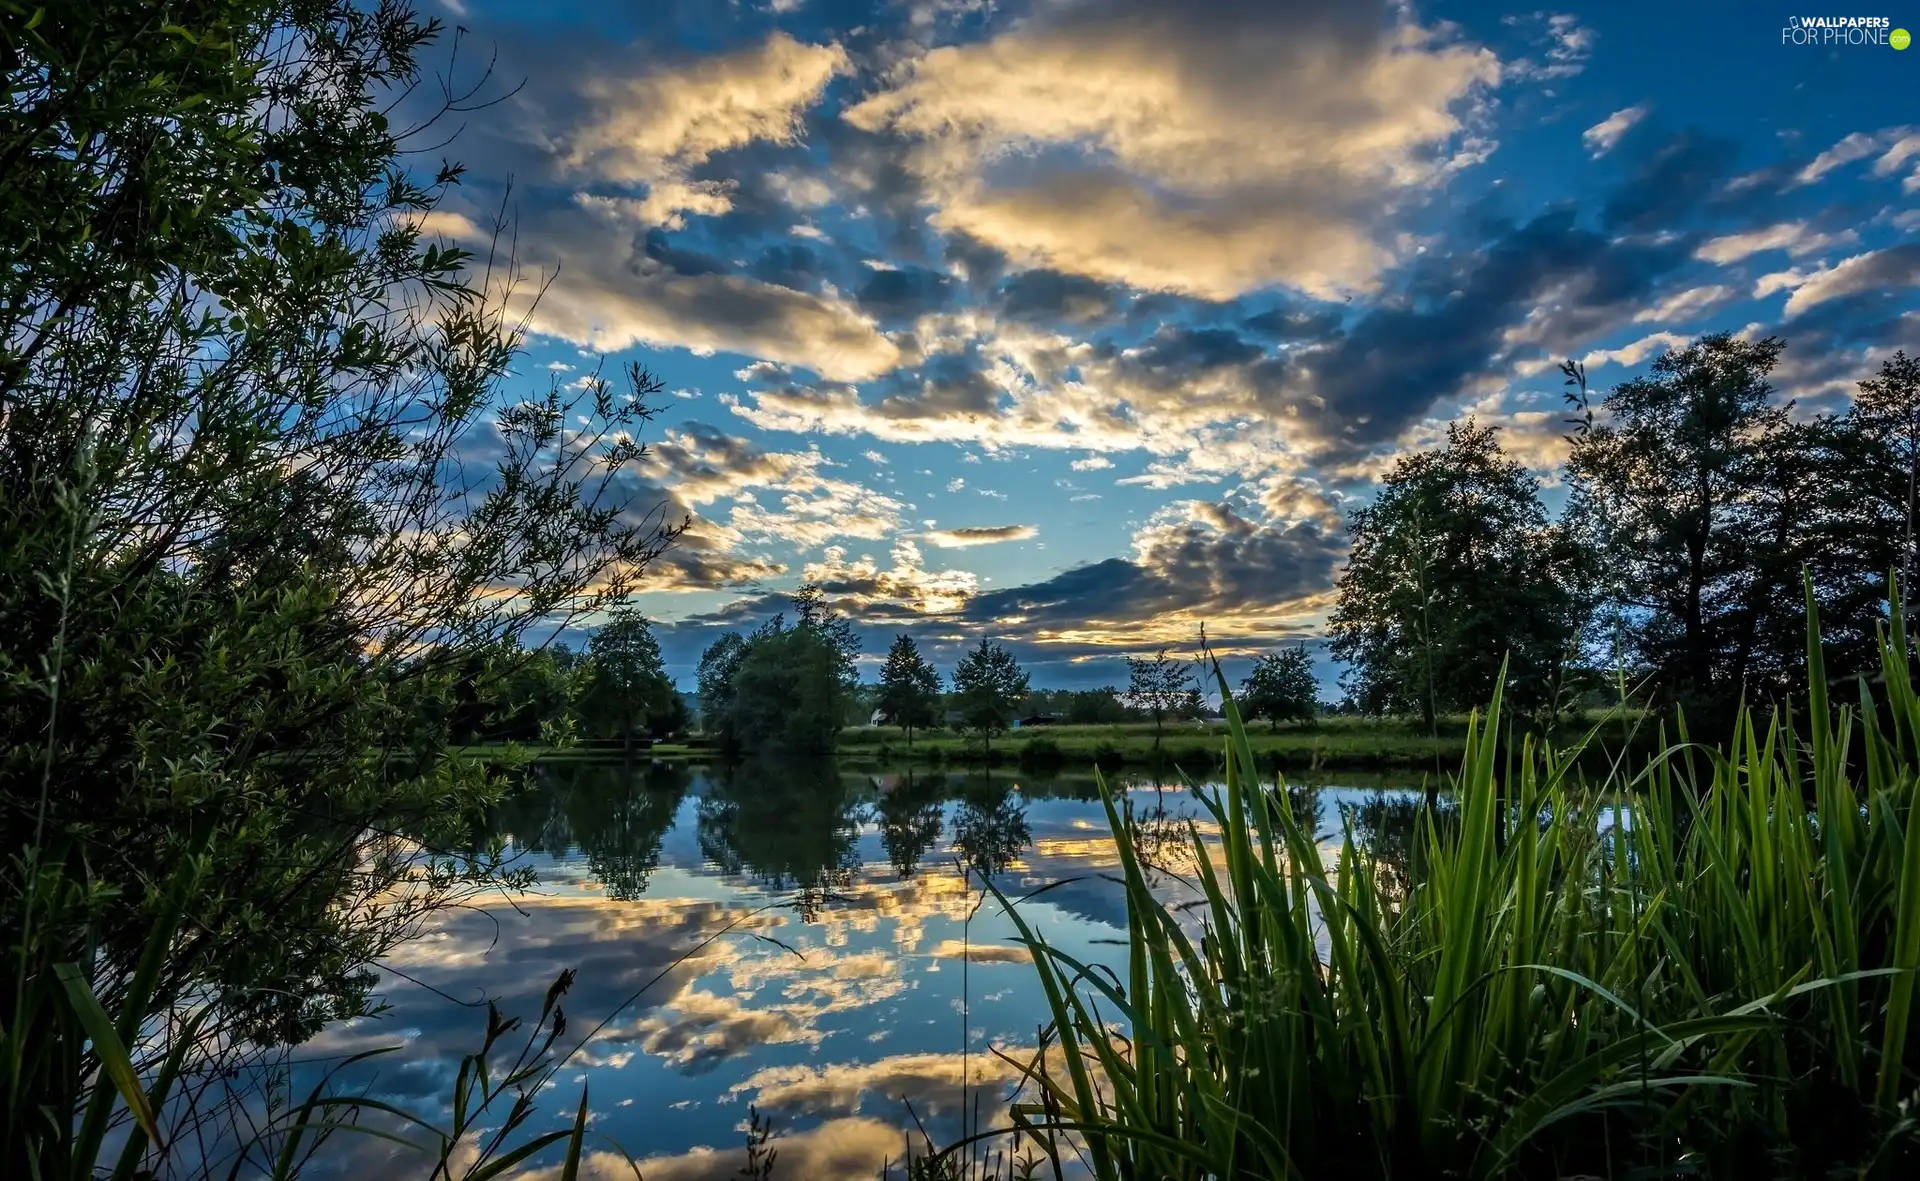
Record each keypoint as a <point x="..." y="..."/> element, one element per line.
<point x="1328" y="744"/>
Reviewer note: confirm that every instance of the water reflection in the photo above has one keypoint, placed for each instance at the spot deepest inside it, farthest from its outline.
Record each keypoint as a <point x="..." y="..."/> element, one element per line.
<point x="864" y="979"/>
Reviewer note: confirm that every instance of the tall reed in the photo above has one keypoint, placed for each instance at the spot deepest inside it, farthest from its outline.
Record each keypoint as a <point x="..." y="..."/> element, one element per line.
<point x="1702" y="967"/>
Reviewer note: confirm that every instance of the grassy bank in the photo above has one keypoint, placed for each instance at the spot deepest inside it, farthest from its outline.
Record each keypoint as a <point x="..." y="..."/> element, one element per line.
<point x="1723" y="987"/>
<point x="1342" y="743"/>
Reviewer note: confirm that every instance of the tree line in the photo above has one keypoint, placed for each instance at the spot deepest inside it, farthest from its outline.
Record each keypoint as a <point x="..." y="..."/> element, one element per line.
<point x="1698" y="506"/>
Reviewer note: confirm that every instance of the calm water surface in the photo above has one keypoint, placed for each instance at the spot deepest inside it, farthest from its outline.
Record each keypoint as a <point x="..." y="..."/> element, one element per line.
<point x="865" y="981"/>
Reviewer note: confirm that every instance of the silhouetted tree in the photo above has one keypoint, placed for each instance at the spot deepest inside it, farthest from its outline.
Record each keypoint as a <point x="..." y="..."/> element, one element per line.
<point x="988" y="685"/>
<point x="1280" y="688"/>
<point x="1454" y="569"/>
<point x="909" y="688"/>
<point x="1160" y="688"/>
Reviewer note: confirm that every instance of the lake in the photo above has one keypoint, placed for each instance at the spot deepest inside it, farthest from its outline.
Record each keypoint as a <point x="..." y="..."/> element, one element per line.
<point x="866" y="981"/>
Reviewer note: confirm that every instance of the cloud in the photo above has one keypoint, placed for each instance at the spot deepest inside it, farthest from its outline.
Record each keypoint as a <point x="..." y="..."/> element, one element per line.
<point x="1195" y="562"/>
<point x="1568" y="45"/>
<point x="978" y="535"/>
<point x="1091" y="463"/>
<point x="1209" y="152"/>
<point x="1857" y="146"/>
<point x="1602" y="136"/>
<point x="905" y="589"/>
<point x="982" y="953"/>
<point x="607" y="298"/>
<point x="1876" y="270"/>
<point x="1686" y="303"/>
<point x="652" y="129"/>
<point x="1637" y="351"/>
<point x="1797" y="238"/>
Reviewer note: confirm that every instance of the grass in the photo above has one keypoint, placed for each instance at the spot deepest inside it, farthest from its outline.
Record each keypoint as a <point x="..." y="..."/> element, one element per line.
<point x="1720" y="985"/>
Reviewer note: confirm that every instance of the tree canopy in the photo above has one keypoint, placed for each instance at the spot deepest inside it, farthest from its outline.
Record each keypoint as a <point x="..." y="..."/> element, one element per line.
<point x="909" y="688"/>
<point x="1455" y="569"/>
<point x="1281" y="687"/>
<point x="785" y="686"/>
<point x="1160" y="688"/>
<point x="989" y="685"/>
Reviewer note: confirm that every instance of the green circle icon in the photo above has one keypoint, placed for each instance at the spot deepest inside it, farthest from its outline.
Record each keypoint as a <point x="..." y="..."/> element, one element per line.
<point x="1900" y="39"/>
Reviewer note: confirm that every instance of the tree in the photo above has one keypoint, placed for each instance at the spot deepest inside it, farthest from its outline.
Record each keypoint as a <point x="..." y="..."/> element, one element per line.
<point x="783" y="687"/>
<point x="909" y="688"/>
<point x="628" y="690"/>
<point x="1159" y="687"/>
<point x="1708" y="500"/>
<point x="260" y="503"/>
<point x="1885" y="466"/>
<point x="1281" y="687"/>
<point x="989" y="685"/>
<point x="1453" y="570"/>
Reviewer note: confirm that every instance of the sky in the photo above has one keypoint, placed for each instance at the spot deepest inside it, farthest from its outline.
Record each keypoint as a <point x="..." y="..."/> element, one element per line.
<point x="1081" y="324"/>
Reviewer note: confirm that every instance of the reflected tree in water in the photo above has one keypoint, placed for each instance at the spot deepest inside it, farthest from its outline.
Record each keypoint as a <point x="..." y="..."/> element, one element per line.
<point x="990" y="828"/>
<point x="909" y="814"/>
<point x="790" y="826"/>
<point x="616" y="814"/>
<point x="1386" y="826"/>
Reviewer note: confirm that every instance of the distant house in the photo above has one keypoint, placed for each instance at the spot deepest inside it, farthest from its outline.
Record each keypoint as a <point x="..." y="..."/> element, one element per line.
<point x="1036" y="720"/>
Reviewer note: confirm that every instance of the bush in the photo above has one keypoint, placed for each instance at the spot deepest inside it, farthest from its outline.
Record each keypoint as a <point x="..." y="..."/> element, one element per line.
<point x="1041" y="753"/>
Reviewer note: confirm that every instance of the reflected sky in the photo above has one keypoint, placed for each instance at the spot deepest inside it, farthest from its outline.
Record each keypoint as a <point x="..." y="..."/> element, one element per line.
<point x="865" y="981"/>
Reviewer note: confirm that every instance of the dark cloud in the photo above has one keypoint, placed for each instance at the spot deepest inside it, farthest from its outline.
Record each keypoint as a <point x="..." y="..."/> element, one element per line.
<point x="1281" y="324"/>
<point x="900" y="294"/>
<point x="1672" y="181"/>
<point x="1396" y="361"/>
<point x="1186" y="350"/>
<point x="789" y="265"/>
<point x="1045" y="296"/>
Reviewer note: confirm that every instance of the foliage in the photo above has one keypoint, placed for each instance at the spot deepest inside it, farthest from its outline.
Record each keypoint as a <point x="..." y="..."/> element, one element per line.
<point x="260" y="507"/>
<point x="1725" y="984"/>
<point x="783" y="687"/>
<point x="988" y="685"/>
<point x="628" y="691"/>
<point x="1160" y="687"/>
<point x="1281" y="687"/>
<point x="909" y="688"/>
<point x="1709" y="498"/>
<point x="1454" y="575"/>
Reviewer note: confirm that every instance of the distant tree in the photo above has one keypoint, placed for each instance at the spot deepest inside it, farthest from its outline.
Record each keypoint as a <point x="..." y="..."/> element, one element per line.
<point x="628" y="691"/>
<point x="1095" y="706"/>
<point x="1453" y="570"/>
<point x="909" y="688"/>
<point x="1281" y="687"/>
<point x="988" y="685"/>
<point x="785" y="687"/>
<point x="1160" y="688"/>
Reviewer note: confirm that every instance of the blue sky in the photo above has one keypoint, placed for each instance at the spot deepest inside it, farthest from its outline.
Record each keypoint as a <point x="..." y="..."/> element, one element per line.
<point x="1083" y="324"/>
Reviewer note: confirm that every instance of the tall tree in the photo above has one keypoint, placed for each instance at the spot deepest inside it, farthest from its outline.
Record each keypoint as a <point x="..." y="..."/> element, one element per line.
<point x="989" y="685"/>
<point x="1454" y="569"/>
<point x="1159" y="688"/>
<point x="1281" y="687"/>
<point x="909" y="688"/>
<point x="1707" y="500"/>
<point x="628" y="689"/>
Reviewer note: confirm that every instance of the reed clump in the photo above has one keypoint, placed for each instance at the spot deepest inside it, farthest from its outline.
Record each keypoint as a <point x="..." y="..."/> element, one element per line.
<point x="1701" y="965"/>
